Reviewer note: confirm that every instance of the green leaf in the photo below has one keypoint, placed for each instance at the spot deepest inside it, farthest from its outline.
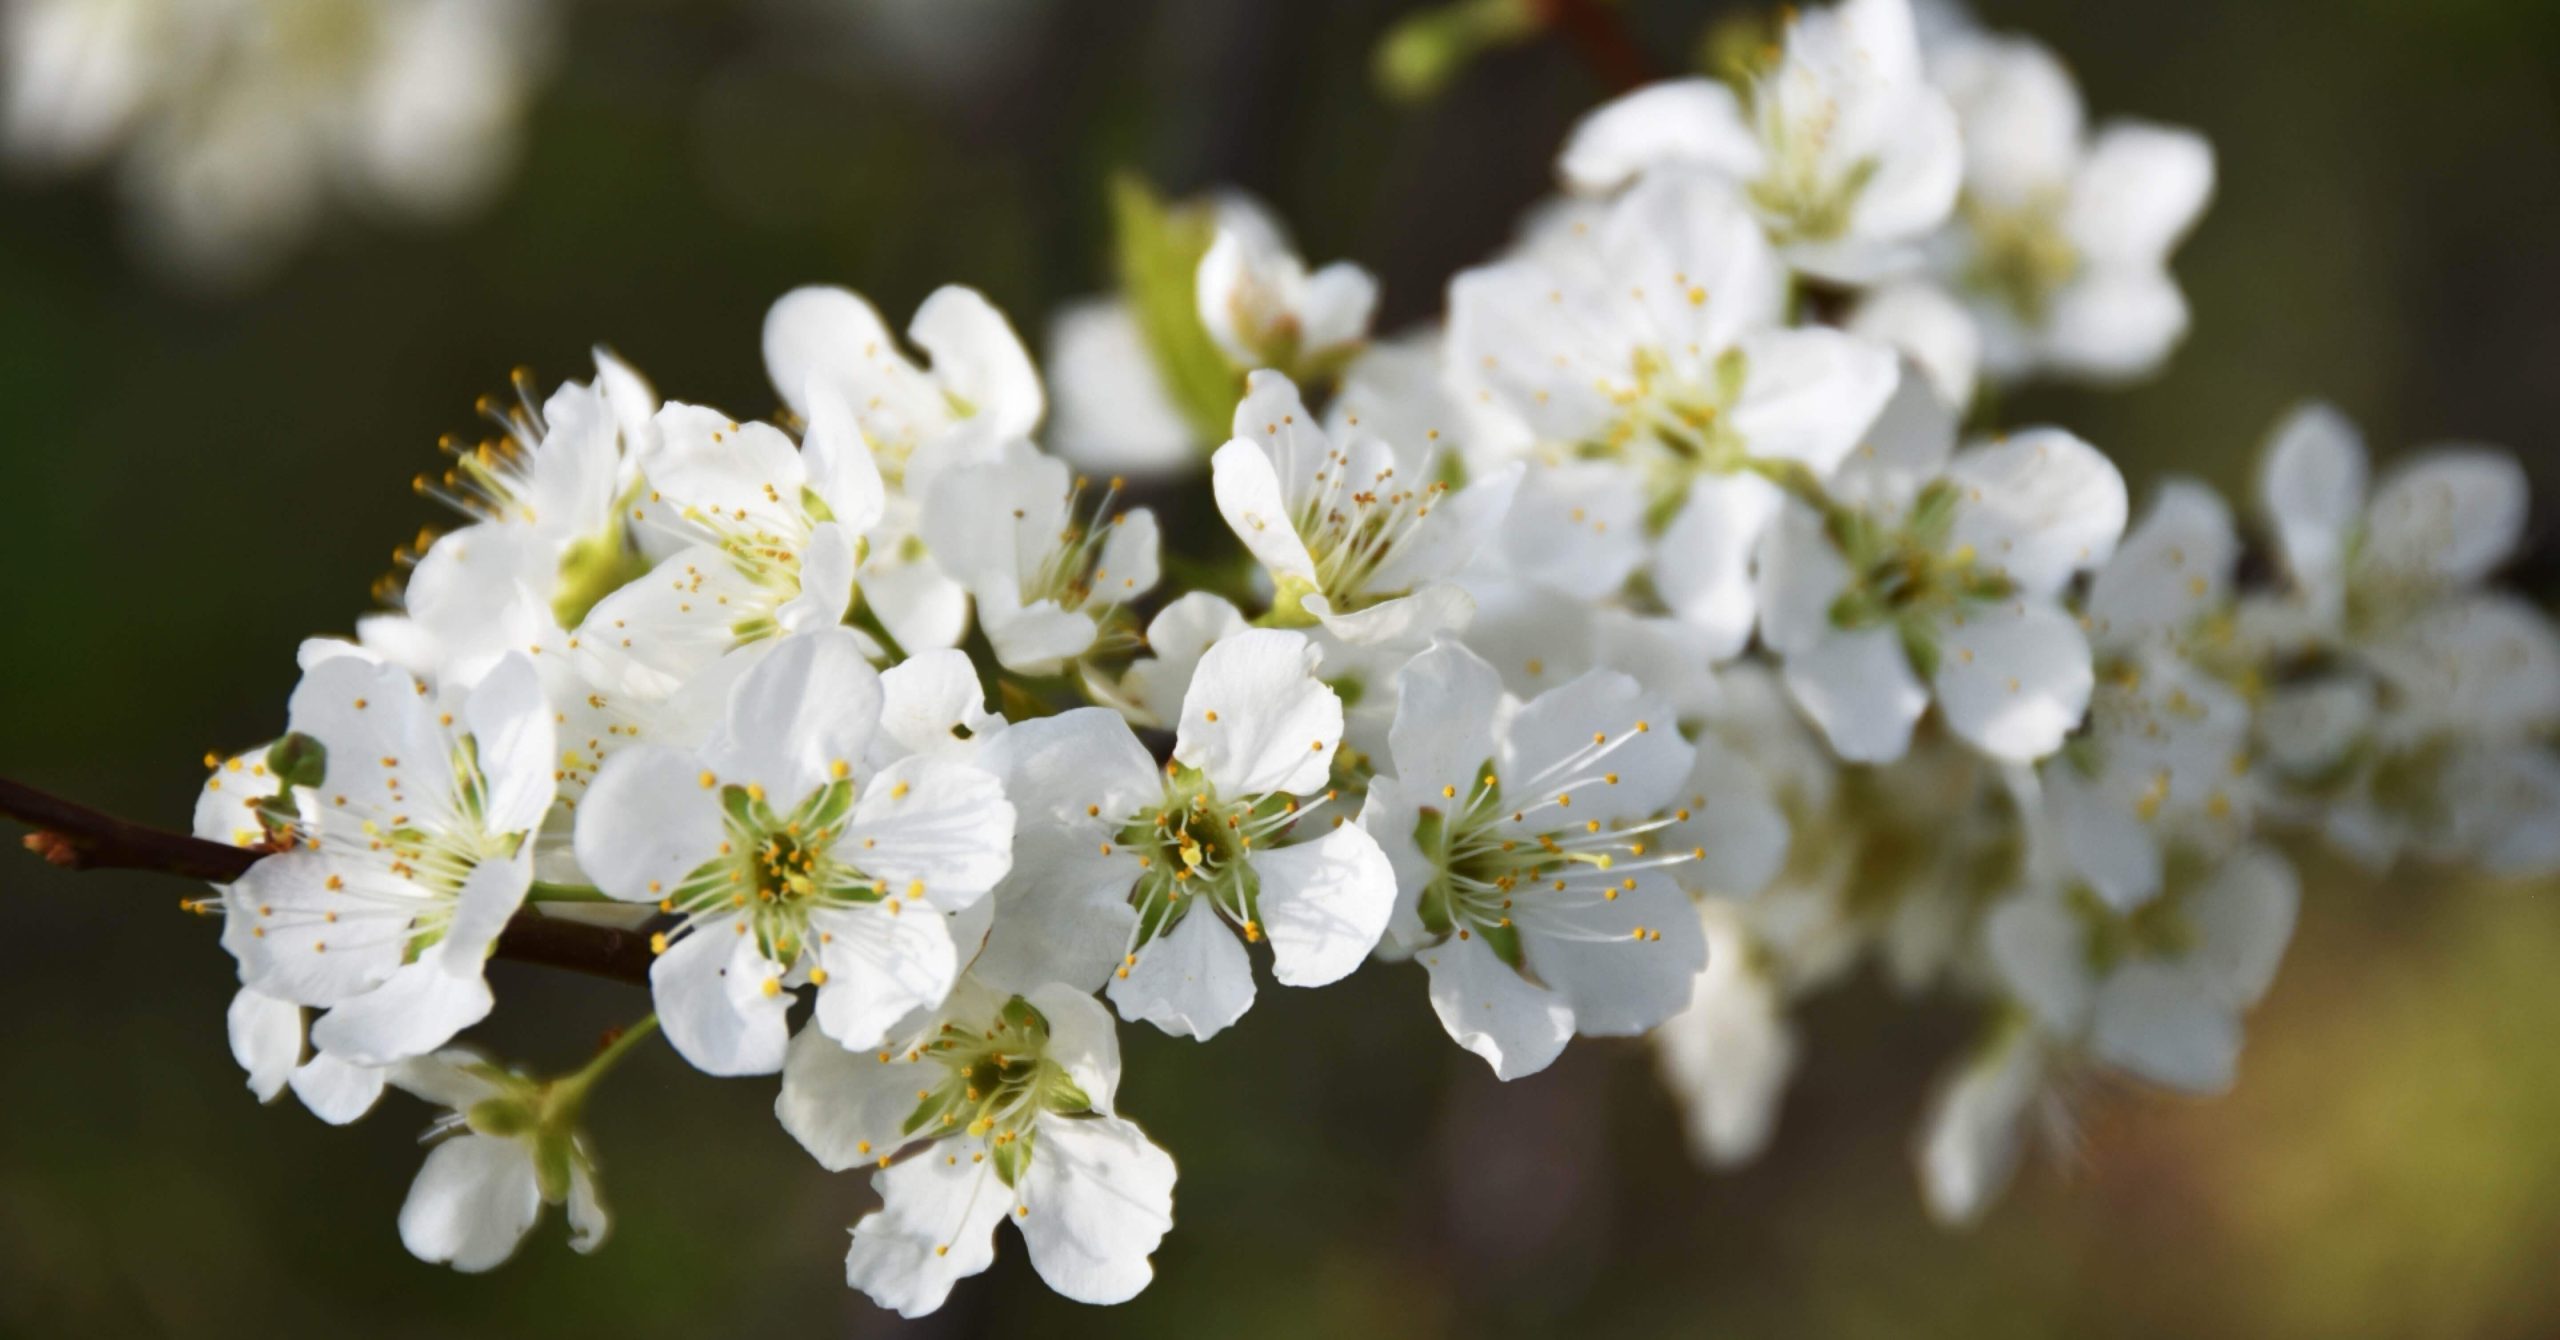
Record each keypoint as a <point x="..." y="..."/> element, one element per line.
<point x="1160" y="246"/>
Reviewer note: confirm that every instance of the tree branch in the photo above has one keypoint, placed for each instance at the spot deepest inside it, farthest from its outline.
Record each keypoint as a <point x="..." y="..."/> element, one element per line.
<point x="77" y="837"/>
<point x="1598" y="31"/>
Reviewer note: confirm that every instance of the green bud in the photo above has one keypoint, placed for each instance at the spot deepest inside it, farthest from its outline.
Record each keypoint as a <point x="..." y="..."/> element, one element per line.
<point x="1425" y="52"/>
<point x="298" y="760"/>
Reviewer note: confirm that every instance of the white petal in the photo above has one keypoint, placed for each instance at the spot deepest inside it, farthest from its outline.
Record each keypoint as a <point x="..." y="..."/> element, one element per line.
<point x="1323" y="904"/>
<point x="1256" y="719"/>
<point x="1623" y="965"/>
<point x="1970" y="1140"/>
<point x="588" y="1222"/>
<point x="510" y="726"/>
<point x="1801" y="576"/>
<point x="1616" y="730"/>
<point x="2138" y="192"/>
<point x="1859" y="688"/>
<point x="2114" y="325"/>
<point x="1082" y="1039"/>
<point x="276" y="914"/>
<point x="2014" y="679"/>
<point x="1447" y="735"/>
<point x="1702" y="565"/>
<point x="2243" y="919"/>
<point x="1728" y="1055"/>
<point x="933" y="701"/>
<point x="1734" y="823"/>
<point x="1492" y="1010"/>
<point x="934" y="821"/>
<point x="1082" y="763"/>
<point x="2484" y="666"/>
<point x="266" y="1039"/>
<point x="1180" y="634"/>
<point x="1251" y="498"/>
<point x="2041" y="952"/>
<point x="2312" y="486"/>
<point x="1575" y="526"/>
<point x="841" y="469"/>
<point x="2038" y="505"/>
<point x="1926" y="326"/>
<point x="1037" y="639"/>
<point x="978" y="358"/>
<point x="647" y="822"/>
<point x="1334" y="312"/>
<point x="1192" y="982"/>
<point x="799" y="719"/>
<point x="449" y="1079"/>
<point x="2171" y="571"/>
<point x="709" y="988"/>
<point x="745" y="473"/>
<point x="936" y="1225"/>
<point x="1689" y="122"/>
<point x="1405" y="621"/>
<point x="1099" y="1197"/>
<point x="473" y="1202"/>
<point x="2452" y="515"/>
<point x="820" y="333"/>
<point x="881" y="967"/>
<point x="418" y="1009"/>
<point x="846" y="1107"/>
<point x="337" y="1092"/>
<point x="2161" y="1023"/>
<point x="1112" y="411"/>
<point x="1811" y="395"/>
<point x="1063" y="914"/>
<point x="381" y="734"/>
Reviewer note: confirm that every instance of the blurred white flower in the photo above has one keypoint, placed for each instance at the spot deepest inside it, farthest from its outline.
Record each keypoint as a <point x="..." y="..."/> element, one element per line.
<point x="238" y="120"/>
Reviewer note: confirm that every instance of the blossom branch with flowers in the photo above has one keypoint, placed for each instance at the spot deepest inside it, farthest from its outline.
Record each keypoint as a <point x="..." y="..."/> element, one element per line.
<point x="1638" y="649"/>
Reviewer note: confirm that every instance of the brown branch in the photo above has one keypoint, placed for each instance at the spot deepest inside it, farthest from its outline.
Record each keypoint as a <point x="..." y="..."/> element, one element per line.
<point x="77" y="837"/>
<point x="1599" y="33"/>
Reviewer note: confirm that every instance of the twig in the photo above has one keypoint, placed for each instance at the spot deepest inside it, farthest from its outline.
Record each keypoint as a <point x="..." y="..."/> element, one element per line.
<point x="77" y="837"/>
<point x="1597" y="31"/>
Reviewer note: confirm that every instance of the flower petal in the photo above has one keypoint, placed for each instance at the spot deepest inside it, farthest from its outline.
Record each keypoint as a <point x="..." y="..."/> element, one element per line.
<point x="1491" y="1010"/>
<point x="2014" y="679"/>
<point x="1096" y="1200"/>
<point x="1191" y="982"/>
<point x="800" y="719"/>
<point x="881" y="967"/>
<point x="711" y="998"/>
<point x="474" y="1200"/>
<point x="1256" y="719"/>
<point x="934" y="821"/>
<point x="936" y="1226"/>
<point x="1323" y="904"/>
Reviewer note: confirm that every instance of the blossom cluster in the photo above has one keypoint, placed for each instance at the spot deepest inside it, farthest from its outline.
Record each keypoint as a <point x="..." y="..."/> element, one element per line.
<point x="235" y="122"/>
<point x="1637" y="650"/>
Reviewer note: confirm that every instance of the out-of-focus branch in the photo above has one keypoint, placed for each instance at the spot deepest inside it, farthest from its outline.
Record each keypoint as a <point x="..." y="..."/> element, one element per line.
<point x="1599" y="32"/>
<point x="77" y="837"/>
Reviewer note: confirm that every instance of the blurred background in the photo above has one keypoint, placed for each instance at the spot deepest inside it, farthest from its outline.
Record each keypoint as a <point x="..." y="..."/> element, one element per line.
<point x="192" y="483"/>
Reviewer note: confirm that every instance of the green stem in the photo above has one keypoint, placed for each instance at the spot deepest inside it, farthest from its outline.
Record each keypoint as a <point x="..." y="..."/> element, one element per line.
<point x="571" y="1091"/>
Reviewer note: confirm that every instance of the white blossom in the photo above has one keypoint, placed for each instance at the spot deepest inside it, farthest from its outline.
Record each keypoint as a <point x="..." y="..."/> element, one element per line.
<point x="1848" y="156"/>
<point x="995" y="1108"/>
<point x="1531" y="881"/>
<point x="1153" y="880"/>
<point x="789" y="859"/>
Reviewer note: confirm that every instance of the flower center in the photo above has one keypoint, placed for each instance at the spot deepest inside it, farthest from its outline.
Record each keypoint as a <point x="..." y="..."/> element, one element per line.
<point x="2021" y="255"/>
<point x="1351" y="527"/>
<point x="1196" y="847"/>
<point x="773" y="870"/>
<point x="994" y="1082"/>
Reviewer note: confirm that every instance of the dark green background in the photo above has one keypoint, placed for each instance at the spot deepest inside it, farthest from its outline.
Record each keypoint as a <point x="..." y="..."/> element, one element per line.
<point x="189" y="486"/>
